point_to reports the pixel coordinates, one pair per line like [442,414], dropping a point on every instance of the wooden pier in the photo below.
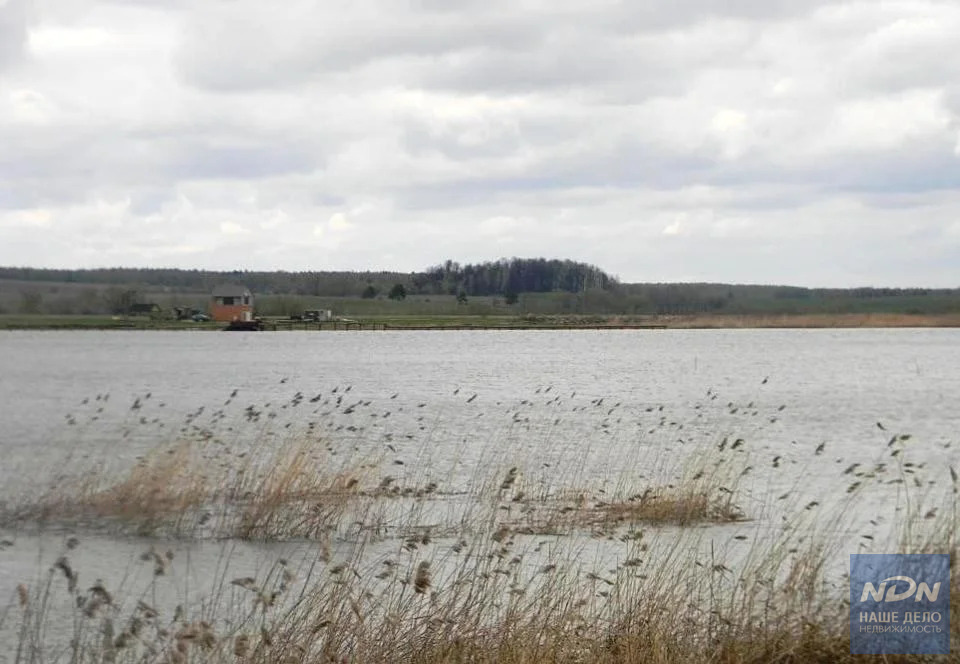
[278,325]
[333,325]
[525,327]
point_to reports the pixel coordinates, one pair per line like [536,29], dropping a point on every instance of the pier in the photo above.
[356,325]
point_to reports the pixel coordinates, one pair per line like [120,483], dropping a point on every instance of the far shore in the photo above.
[711,321]
[532,322]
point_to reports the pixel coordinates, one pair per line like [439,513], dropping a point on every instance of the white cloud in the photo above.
[749,140]
[505,229]
[888,123]
[232,228]
[339,223]
[675,227]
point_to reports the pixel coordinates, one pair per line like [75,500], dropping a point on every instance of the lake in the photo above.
[836,385]
[581,411]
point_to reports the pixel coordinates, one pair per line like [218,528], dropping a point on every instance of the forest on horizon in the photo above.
[518,285]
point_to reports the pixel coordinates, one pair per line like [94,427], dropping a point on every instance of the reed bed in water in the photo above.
[303,484]
[510,576]
[176,492]
[290,492]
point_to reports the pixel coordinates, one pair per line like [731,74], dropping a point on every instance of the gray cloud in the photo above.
[13,31]
[795,142]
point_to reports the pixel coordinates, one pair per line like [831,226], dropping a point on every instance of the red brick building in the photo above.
[231,302]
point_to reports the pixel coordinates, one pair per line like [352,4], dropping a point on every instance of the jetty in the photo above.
[276,325]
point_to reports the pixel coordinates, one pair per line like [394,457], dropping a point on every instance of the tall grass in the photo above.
[486,598]
[285,492]
[668,559]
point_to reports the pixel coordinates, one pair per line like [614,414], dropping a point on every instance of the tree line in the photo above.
[533,275]
[511,276]
[323,283]
[536,285]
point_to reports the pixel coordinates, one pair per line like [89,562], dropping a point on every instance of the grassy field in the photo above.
[96,322]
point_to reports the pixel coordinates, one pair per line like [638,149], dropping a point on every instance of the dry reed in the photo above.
[488,586]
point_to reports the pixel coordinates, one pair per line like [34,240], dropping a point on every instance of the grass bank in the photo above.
[94,322]
[528,321]
[839,320]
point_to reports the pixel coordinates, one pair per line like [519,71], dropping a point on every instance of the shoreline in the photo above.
[519,323]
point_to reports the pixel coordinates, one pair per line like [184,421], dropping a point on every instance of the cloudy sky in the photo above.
[766,141]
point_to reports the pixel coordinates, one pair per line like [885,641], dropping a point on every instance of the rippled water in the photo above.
[835,386]
[584,409]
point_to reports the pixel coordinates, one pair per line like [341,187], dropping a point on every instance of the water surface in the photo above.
[590,411]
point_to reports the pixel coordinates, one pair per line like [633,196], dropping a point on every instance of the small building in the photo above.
[230,302]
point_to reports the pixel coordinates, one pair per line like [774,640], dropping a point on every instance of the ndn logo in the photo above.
[908,612]
[921,590]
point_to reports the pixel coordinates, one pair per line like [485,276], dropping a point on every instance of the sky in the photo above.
[797,142]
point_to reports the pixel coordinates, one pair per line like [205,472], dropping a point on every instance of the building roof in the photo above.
[231,290]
